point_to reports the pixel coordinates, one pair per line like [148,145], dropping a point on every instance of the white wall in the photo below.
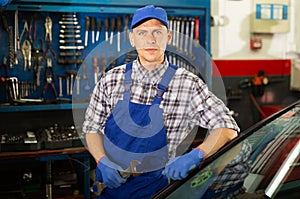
[232,41]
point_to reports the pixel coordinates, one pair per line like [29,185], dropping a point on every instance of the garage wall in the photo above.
[231,41]
[236,62]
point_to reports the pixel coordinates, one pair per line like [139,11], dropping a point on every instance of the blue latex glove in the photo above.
[109,173]
[178,167]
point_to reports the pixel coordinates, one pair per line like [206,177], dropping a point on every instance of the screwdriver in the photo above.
[119,25]
[112,29]
[126,18]
[95,65]
[93,25]
[87,27]
[106,28]
[98,30]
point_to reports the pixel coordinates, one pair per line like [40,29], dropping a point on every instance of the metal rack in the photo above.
[60,109]
[40,10]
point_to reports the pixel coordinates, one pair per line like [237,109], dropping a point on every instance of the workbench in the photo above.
[48,156]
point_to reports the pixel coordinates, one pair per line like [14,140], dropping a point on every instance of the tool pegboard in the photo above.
[50,53]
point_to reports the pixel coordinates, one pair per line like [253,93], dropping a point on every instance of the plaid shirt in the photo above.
[186,103]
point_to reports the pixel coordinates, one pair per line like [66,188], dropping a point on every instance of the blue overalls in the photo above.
[137,132]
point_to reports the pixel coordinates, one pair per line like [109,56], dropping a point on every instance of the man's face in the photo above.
[150,39]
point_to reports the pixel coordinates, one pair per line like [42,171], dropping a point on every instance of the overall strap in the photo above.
[127,81]
[163,84]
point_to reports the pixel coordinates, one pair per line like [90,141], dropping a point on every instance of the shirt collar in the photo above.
[140,74]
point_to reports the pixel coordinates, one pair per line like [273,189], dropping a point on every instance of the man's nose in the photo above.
[150,38]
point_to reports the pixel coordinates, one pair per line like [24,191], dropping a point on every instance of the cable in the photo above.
[257,106]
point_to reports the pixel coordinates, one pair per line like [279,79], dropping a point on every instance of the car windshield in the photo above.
[263,165]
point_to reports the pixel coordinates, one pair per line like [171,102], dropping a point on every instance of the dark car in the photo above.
[263,162]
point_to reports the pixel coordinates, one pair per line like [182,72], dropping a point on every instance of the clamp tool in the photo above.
[26,51]
[98,187]
[48,28]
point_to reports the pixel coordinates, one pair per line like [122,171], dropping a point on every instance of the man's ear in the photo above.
[169,37]
[131,39]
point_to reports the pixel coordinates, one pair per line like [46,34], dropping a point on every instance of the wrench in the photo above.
[98,187]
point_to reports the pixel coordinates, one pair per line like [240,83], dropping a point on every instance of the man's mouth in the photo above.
[151,50]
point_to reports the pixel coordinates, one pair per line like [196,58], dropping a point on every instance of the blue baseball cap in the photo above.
[149,12]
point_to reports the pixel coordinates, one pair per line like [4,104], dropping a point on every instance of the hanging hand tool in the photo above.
[70,41]
[71,74]
[119,26]
[71,47]
[49,78]
[67,85]
[106,26]
[11,47]
[170,21]
[68,22]
[196,35]
[69,31]
[10,33]
[70,61]
[178,20]
[99,24]
[16,36]
[183,20]
[174,31]
[38,75]
[25,28]
[87,27]
[69,36]
[104,65]
[49,49]
[73,27]
[48,29]
[93,27]
[77,84]
[187,33]
[191,37]
[126,19]
[71,18]
[85,77]
[98,187]
[112,30]
[96,69]
[32,25]
[26,51]
[14,87]
[60,78]
[37,57]
[69,15]
[65,54]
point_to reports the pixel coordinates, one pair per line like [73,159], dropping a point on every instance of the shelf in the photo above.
[42,107]
[107,6]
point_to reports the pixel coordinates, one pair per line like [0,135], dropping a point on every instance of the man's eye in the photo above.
[158,32]
[141,33]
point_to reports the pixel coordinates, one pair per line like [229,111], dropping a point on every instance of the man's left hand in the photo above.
[178,167]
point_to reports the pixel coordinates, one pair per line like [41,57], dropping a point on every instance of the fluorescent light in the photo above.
[276,181]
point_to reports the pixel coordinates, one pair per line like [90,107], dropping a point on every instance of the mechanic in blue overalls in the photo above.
[141,112]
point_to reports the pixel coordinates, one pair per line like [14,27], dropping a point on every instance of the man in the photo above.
[143,110]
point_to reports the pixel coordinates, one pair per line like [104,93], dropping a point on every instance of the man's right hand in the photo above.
[110,173]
